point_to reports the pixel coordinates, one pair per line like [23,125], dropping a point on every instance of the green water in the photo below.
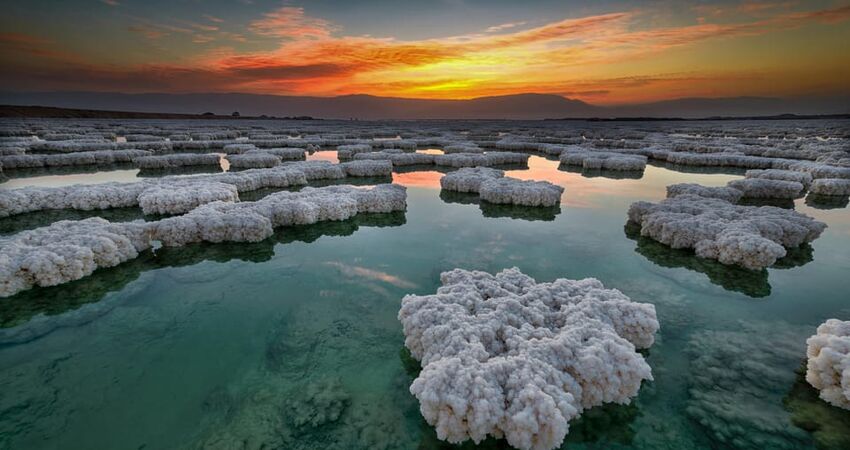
[294,343]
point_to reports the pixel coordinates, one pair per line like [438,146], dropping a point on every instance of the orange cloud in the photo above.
[291,22]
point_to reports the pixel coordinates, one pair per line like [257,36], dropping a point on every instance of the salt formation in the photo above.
[237,149]
[284,154]
[521,192]
[767,188]
[494,187]
[724,193]
[317,170]
[397,158]
[367,168]
[831,186]
[179,198]
[828,368]
[66,251]
[602,160]
[505,356]
[253,160]
[99,157]
[778,174]
[480,159]
[255,221]
[177,160]
[749,236]
[348,151]
[469,179]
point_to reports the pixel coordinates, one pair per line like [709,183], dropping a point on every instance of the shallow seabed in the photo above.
[294,343]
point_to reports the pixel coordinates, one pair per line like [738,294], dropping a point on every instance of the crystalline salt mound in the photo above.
[749,236]
[828,368]
[505,356]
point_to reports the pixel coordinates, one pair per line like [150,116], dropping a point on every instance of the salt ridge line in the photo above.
[121,195]
[508,357]
[70,250]
[749,236]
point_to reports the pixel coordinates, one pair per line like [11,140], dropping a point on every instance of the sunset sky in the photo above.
[602,52]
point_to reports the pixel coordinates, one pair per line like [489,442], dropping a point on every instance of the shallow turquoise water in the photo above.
[294,342]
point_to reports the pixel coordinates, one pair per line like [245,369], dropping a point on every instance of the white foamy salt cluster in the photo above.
[397,157]
[521,192]
[66,251]
[462,148]
[317,170]
[237,149]
[725,193]
[99,157]
[284,154]
[255,221]
[123,195]
[602,160]
[493,186]
[348,151]
[469,179]
[831,186]
[480,159]
[178,198]
[749,236]
[253,160]
[177,160]
[367,168]
[767,188]
[778,174]
[828,368]
[508,357]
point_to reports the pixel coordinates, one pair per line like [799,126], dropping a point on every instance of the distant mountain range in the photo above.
[368,107]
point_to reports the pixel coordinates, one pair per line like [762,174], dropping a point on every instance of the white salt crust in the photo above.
[511,358]
[831,186]
[177,160]
[828,367]
[749,236]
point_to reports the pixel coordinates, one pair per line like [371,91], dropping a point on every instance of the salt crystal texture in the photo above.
[508,357]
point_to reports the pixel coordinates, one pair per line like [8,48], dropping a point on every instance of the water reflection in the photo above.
[732,278]
[56,300]
[829,425]
[497,210]
[827,201]
[102,175]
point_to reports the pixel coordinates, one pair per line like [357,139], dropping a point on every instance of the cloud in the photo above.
[110,2]
[504,26]
[291,22]
[212,18]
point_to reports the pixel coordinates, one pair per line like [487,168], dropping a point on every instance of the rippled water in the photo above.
[294,343]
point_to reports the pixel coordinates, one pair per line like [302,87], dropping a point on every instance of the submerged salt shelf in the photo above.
[507,357]
[324,297]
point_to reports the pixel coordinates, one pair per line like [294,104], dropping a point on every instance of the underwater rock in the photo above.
[750,236]
[736,384]
[828,368]
[505,356]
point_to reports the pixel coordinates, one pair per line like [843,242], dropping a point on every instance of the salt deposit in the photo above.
[100,157]
[508,357]
[253,160]
[397,158]
[828,368]
[520,192]
[602,160]
[367,168]
[767,188]
[66,251]
[778,174]
[284,154]
[831,186]
[348,151]
[725,193]
[480,159]
[749,236]
[177,160]
[469,179]
[179,198]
